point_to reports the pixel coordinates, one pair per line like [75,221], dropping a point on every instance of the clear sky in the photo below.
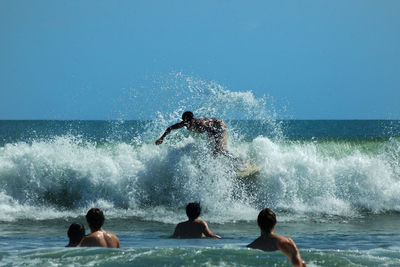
[69,59]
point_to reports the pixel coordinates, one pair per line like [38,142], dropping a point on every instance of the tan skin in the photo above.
[213,127]
[193,229]
[100,238]
[271,242]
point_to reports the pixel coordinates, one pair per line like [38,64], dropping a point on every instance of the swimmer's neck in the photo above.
[267,234]
[96,229]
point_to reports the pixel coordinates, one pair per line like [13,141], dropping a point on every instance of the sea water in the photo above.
[334,185]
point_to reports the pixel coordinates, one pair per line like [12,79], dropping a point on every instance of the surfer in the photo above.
[215,128]
[269,241]
[193,228]
[98,237]
[76,232]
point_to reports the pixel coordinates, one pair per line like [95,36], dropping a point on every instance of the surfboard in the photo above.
[249,172]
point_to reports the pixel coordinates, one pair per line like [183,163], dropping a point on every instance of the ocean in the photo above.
[334,185]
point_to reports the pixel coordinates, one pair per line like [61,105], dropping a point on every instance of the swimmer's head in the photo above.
[187,116]
[75,233]
[193,210]
[95,218]
[266,220]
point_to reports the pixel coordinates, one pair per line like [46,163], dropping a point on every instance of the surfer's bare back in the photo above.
[215,128]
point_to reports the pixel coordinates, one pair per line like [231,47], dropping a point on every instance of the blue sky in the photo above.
[76,59]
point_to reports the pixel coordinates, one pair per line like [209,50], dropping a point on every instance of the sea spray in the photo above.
[172,94]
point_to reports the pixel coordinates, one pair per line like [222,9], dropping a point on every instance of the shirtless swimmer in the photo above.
[215,128]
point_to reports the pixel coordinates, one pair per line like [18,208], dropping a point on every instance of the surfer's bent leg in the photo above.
[221,139]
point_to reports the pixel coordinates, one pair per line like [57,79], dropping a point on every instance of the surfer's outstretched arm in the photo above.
[169,129]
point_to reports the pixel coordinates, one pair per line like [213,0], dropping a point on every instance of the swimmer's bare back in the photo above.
[101,238]
[193,229]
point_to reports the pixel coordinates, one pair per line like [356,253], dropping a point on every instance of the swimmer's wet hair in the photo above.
[266,220]
[187,116]
[95,218]
[75,232]
[193,210]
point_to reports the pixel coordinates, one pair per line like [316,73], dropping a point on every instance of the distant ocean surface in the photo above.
[335,186]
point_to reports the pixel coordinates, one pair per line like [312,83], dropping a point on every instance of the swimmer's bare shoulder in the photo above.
[289,248]
[207,232]
[94,239]
[178,230]
[112,240]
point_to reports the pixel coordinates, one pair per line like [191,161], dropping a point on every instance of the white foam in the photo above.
[54,178]
[303,179]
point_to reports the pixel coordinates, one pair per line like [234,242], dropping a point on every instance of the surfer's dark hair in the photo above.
[75,232]
[95,218]
[187,116]
[193,210]
[266,220]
